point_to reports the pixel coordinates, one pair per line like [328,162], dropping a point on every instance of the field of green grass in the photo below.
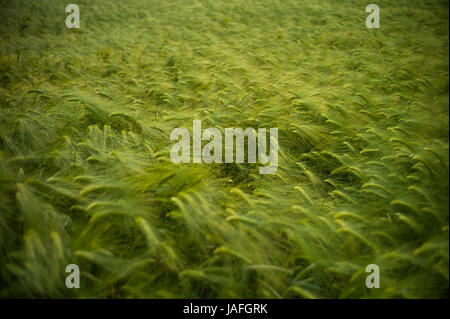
[85,170]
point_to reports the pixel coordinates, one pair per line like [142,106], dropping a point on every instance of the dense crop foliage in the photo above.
[86,177]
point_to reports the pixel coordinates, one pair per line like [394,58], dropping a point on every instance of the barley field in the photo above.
[363,162]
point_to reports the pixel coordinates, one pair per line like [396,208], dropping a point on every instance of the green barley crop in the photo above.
[86,177]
